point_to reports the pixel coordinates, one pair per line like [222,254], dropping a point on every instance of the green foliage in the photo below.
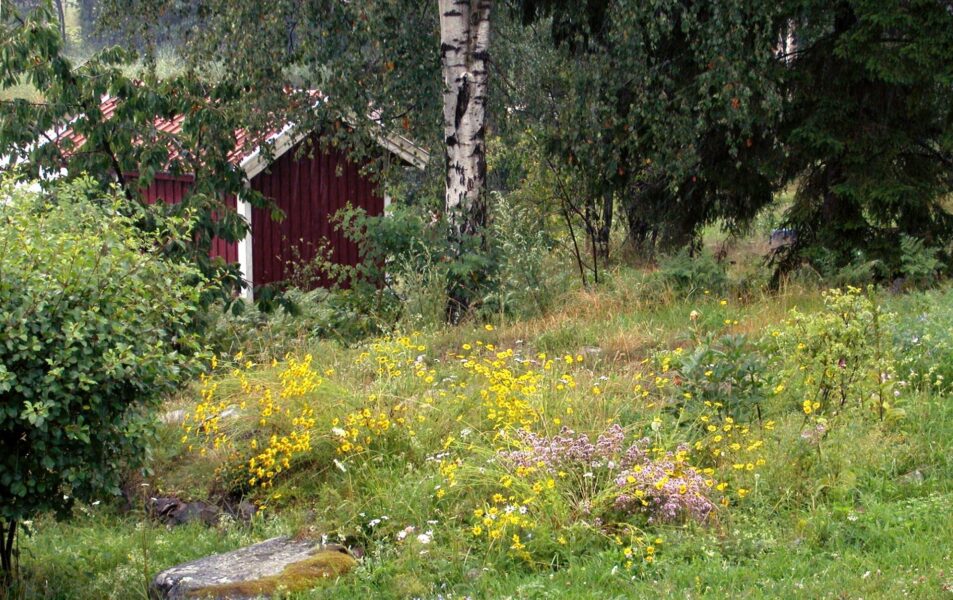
[667,105]
[840,357]
[97,328]
[918,262]
[923,338]
[126,148]
[868,127]
[258,333]
[877,494]
[370,297]
[525,277]
[692,275]
[825,266]
[727,370]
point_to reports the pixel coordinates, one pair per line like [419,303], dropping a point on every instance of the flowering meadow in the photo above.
[796,445]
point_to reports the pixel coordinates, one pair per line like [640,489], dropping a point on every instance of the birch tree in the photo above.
[464,53]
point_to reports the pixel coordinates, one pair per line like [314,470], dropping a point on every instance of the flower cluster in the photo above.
[735,450]
[507,522]
[278,454]
[568,450]
[640,478]
[665,487]
[203,423]
[360,428]
[512,386]
[507,392]
[284,417]
[392,357]
[636,547]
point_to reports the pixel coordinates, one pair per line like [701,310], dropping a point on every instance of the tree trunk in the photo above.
[604,233]
[464,52]
[8,536]
[61,13]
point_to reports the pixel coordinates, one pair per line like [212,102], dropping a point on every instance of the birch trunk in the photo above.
[464,51]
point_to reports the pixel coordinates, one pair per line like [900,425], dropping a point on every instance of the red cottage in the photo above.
[308,189]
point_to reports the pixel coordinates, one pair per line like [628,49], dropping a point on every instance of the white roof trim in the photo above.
[284,140]
[289,136]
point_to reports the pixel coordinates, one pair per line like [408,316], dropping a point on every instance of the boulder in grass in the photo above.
[279,564]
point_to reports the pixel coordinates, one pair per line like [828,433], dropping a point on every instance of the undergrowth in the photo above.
[703,446]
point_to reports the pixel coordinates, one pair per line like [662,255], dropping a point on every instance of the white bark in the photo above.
[464,47]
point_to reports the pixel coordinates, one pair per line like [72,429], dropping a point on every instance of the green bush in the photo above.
[526,272]
[95,328]
[692,275]
[918,262]
[839,356]
[727,370]
[397,259]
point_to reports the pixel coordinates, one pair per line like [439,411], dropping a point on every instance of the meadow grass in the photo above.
[867,513]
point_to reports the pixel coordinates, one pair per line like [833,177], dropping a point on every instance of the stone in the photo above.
[172,511]
[230,411]
[257,571]
[196,511]
[245,510]
[914,477]
[177,417]
[173,417]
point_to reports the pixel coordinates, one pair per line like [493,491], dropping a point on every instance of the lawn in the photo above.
[399,447]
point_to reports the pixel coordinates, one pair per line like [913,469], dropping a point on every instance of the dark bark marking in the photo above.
[463,101]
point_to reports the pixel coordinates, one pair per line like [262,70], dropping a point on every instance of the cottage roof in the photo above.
[249,152]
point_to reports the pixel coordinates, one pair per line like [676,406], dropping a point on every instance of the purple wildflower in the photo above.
[660,485]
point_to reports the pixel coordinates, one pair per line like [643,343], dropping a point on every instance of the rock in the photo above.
[173,417]
[176,417]
[196,511]
[162,508]
[914,477]
[255,571]
[781,238]
[230,411]
[172,511]
[245,510]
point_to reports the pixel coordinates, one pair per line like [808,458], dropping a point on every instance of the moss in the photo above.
[300,576]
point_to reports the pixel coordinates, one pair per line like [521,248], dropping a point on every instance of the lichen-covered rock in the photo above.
[278,564]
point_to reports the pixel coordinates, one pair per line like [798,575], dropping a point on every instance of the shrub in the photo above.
[718,390]
[283,419]
[392,280]
[724,369]
[839,356]
[263,335]
[639,479]
[918,262]
[96,327]
[525,277]
[693,274]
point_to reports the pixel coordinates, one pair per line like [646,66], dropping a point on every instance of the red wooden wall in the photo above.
[309,189]
[172,189]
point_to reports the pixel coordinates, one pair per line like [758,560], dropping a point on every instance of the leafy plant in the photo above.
[692,275]
[727,369]
[520,284]
[918,262]
[840,356]
[97,327]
